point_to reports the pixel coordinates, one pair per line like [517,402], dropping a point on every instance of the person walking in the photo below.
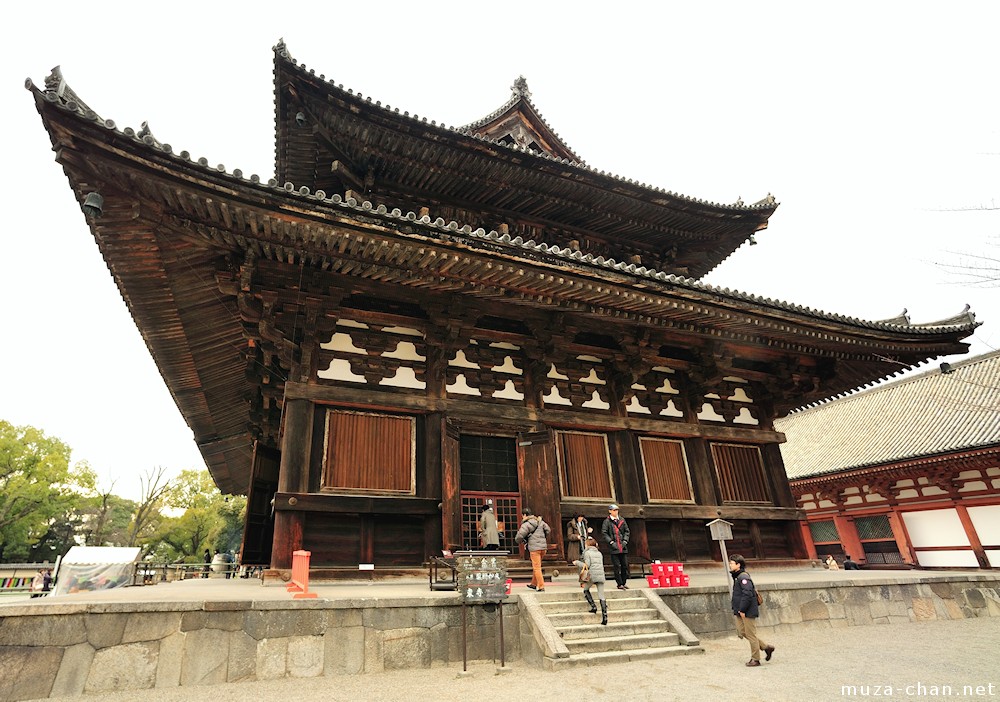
[37,583]
[577,533]
[593,560]
[208,563]
[534,533]
[746,610]
[616,534]
[489,534]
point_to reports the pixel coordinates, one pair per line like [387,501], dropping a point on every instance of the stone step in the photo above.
[592,630]
[582,615]
[575,605]
[638,654]
[621,643]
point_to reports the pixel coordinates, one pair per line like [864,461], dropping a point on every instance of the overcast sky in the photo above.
[875,125]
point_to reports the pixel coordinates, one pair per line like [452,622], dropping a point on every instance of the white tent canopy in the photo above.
[95,568]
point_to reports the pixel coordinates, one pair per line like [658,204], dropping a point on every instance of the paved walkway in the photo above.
[919,661]
[220,589]
[902,662]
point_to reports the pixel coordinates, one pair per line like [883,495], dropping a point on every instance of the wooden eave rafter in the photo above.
[441,162]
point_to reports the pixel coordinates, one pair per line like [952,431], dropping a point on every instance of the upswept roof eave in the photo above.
[763,207]
[641,276]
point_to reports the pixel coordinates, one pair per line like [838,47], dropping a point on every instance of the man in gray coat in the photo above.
[534,533]
[489,534]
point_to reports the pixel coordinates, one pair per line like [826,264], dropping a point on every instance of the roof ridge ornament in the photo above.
[55,84]
[520,88]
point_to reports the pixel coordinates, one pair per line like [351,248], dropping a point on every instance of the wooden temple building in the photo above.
[906,474]
[411,318]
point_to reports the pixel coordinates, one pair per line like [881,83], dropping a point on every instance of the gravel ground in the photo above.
[902,662]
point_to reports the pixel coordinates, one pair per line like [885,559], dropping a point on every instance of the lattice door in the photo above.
[506,507]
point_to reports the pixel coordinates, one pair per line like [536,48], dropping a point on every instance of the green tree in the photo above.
[194,495]
[38,488]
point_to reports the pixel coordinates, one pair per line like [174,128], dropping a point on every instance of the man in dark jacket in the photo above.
[615,533]
[746,611]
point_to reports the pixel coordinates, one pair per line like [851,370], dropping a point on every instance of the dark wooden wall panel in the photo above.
[741,473]
[584,465]
[370,452]
[666,471]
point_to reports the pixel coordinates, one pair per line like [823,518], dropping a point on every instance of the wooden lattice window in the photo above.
[824,532]
[741,473]
[664,464]
[370,453]
[584,465]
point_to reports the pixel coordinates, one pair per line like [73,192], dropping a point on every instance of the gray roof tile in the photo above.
[930,413]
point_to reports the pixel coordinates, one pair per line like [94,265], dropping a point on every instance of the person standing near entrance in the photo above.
[616,534]
[746,611]
[577,532]
[489,534]
[534,534]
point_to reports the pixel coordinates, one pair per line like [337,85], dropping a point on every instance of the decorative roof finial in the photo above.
[520,88]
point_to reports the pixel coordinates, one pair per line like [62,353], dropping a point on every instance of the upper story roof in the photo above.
[508,167]
[953,408]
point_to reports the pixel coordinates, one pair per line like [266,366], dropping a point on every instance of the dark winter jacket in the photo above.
[744,595]
[615,534]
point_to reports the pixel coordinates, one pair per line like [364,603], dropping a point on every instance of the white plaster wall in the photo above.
[986,520]
[947,559]
[937,527]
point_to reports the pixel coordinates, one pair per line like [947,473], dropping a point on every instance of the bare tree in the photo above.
[154,484]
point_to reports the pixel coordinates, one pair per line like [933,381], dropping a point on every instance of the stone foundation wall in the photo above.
[71,650]
[832,604]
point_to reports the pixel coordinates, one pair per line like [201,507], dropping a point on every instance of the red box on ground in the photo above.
[685,580]
[659,569]
[675,580]
[653,580]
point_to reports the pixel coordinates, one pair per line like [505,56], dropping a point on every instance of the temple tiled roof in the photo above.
[175,300]
[929,414]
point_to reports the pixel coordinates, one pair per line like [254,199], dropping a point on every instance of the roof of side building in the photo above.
[931,413]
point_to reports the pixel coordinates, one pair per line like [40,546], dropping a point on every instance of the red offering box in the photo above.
[659,569]
[685,580]
[653,580]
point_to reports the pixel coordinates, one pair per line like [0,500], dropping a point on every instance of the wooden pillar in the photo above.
[807,542]
[973,535]
[451,478]
[706,491]
[902,538]
[293,476]
[850,543]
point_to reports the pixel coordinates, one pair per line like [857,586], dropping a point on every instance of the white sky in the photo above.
[867,121]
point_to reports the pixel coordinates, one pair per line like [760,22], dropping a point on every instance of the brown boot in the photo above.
[753,663]
[768,650]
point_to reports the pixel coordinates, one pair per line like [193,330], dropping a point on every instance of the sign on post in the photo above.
[482,580]
[722,531]
[482,576]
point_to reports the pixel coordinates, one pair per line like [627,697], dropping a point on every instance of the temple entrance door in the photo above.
[489,471]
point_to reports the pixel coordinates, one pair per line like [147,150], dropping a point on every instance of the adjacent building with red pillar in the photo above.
[906,474]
